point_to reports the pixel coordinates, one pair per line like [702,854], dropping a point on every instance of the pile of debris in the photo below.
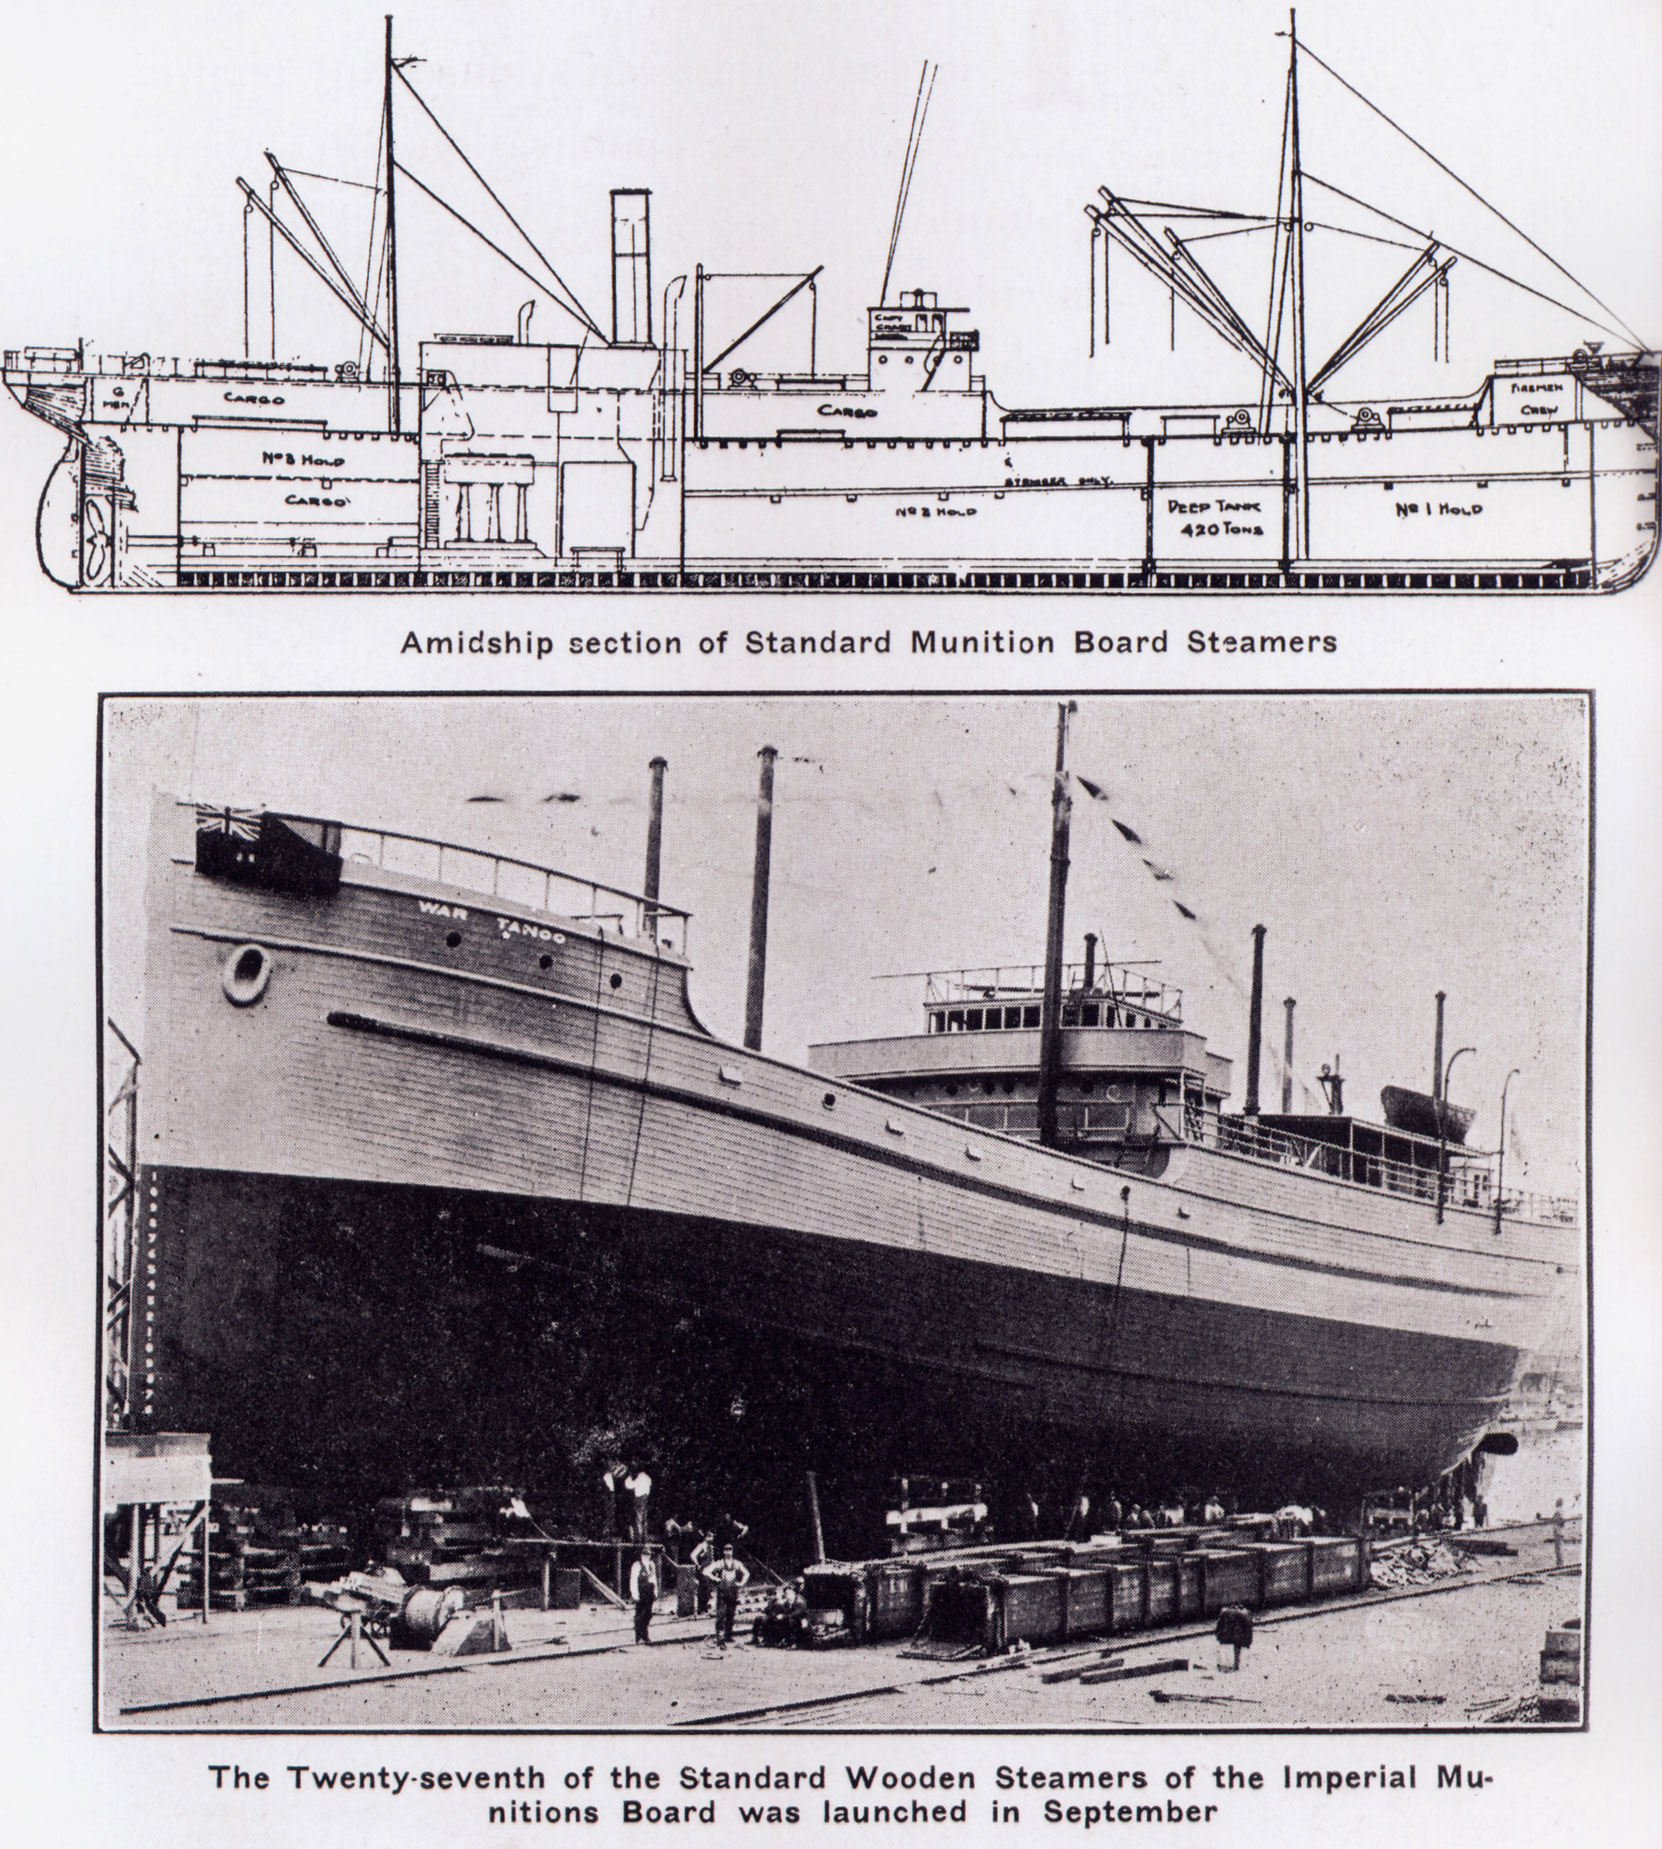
[1416,1563]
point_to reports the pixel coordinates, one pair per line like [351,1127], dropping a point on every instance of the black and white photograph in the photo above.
[892,1212]
[832,863]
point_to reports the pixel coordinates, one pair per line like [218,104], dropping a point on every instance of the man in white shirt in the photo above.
[641,1486]
[643,1589]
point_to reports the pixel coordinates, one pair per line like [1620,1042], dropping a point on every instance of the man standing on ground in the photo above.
[727,1575]
[703,1557]
[643,1589]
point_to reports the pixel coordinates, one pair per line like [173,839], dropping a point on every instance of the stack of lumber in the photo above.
[1560,1696]
[450,1537]
[258,1554]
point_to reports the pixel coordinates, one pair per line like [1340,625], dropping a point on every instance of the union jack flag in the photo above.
[243,823]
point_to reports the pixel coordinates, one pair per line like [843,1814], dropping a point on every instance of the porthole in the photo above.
[453,938]
[545,962]
[830,1101]
[617,982]
[246,975]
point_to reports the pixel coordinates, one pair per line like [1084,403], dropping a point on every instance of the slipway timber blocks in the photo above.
[473,1633]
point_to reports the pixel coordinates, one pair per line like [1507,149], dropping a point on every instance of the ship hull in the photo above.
[348,1334]
[362,1103]
[627,480]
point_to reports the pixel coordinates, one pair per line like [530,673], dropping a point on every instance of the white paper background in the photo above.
[772,137]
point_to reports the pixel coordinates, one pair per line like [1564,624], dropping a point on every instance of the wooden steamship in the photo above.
[373,1060]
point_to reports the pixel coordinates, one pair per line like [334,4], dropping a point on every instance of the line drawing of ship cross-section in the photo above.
[652,448]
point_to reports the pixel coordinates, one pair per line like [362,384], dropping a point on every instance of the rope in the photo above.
[646,1079]
[576,307]
[1486,204]
[594,1060]
[1552,300]
[914,140]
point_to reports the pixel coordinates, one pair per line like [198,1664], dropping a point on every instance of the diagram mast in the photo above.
[1301,387]
[393,379]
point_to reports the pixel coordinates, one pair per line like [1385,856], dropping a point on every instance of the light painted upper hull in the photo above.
[620,475]
[1229,1298]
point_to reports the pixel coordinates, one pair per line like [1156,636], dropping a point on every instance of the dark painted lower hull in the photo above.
[360,1338]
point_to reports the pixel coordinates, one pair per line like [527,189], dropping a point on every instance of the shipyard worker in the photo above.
[679,1534]
[727,1575]
[785,1622]
[1113,1512]
[1213,1512]
[640,1488]
[1234,1632]
[730,1531]
[1480,1511]
[643,1589]
[618,1502]
[700,1558]
[147,1599]
[1079,1520]
[1029,1516]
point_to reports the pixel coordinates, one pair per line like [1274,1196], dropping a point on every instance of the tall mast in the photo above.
[1050,1020]
[1301,390]
[393,379]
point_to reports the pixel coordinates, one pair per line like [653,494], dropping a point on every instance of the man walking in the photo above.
[727,1574]
[643,1589]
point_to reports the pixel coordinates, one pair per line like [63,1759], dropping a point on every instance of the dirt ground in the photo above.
[1464,1649]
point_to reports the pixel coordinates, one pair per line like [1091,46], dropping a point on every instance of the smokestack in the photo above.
[1255,1024]
[654,844]
[1090,959]
[631,267]
[1437,1050]
[759,903]
[1287,1061]
[1050,1021]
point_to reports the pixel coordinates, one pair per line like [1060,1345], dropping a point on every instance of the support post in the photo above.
[1437,1050]
[759,903]
[813,1506]
[1255,1023]
[1500,1164]
[654,846]
[1287,1061]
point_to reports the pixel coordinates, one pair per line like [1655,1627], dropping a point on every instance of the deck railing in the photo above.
[1117,984]
[516,882]
[519,882]
[1467,1180]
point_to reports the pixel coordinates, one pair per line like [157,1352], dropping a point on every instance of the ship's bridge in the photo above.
[1131,1072]
[912,347]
